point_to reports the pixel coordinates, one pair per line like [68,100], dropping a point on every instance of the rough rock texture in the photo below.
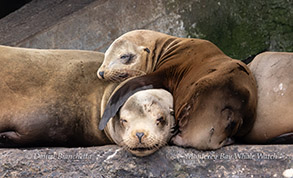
[239,27]
[93,27]
[36,17]
[171,161]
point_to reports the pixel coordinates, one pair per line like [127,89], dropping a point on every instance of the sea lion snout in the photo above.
[139,135]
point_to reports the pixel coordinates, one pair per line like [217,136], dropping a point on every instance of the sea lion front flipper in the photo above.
[123,93]
[9,139]
[286,138]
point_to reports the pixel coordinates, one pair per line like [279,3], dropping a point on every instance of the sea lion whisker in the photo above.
[114,79]
[124,145]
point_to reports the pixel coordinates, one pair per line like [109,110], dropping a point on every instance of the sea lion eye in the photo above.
[147,50]
[160,120]
[123,121]
[172,112]
[127,58]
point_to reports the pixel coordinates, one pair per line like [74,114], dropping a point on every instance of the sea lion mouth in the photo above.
[123,75]
[142,149]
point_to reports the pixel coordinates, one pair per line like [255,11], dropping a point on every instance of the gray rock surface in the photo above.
[36,17]
[239,27]
[92,27]
[170,161]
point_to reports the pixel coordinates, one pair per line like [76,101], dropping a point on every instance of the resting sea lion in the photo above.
[53,97]
[215,96]
[145,122]
[274,75]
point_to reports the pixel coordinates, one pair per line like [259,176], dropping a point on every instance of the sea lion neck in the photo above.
[161,47]
[166,59]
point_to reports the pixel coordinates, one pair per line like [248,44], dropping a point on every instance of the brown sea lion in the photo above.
[54,98]
[274,76]
[215,96]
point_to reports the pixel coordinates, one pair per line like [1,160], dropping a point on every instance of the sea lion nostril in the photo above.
[139,135]
[102,74]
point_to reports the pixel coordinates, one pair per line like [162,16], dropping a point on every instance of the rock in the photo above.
[92,27]
[170,161]
[239,27]
[36,17]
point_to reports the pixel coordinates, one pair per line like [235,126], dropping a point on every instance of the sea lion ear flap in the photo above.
[122,94]
[147,50]
[172,111]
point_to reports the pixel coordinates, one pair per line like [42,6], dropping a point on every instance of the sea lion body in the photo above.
[215,96]
[274,75]
[54,98]
[50,97]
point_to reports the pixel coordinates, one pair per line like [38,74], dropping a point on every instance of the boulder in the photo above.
[170,161]
[239,27]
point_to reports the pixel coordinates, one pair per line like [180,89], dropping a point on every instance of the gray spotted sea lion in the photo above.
[274,75]
[53,97]
[144,122]
[215,96]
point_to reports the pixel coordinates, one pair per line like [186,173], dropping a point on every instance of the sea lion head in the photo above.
[129,55]
[144,123]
